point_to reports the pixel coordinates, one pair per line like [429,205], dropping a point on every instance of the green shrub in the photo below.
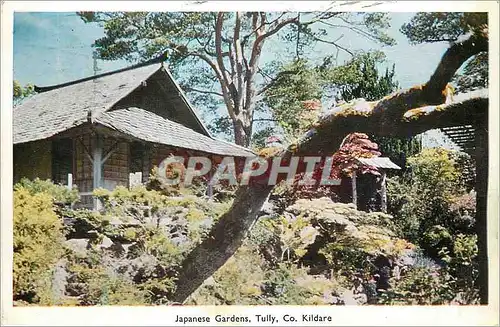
[94,285]
[422,197]
[60,194]
[238,281]
[246,279]
[420,286]
[434,207]
[38,238]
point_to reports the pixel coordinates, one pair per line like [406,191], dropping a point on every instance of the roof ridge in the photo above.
[41,89]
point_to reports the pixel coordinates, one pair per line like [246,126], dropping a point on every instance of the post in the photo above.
[97,146]
[383,192]
[134,179]
[354,191]
[70,181]
[210,187]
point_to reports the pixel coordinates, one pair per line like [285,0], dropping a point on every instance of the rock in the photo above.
[396,272]
[78,245]
[267,208]
[117,249]
[348,298]
[125,221]
[361,298]
[59,280]
[180,240]
[105,243]
[126,247]
[210,282]
[335,218]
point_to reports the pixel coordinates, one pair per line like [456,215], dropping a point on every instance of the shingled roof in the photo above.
[61,107]
[147,126]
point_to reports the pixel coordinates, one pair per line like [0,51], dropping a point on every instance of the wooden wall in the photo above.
[116,168]
[33,159]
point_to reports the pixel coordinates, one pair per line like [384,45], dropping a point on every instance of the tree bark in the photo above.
[242,132]
[403,114]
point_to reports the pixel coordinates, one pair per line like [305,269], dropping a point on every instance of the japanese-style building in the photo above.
[102,130]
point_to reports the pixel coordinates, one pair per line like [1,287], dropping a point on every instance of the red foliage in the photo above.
[355,145]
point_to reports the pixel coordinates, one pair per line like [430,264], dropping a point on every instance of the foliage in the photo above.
[259,137]
[467,168]
[184,219]
[360,77]
[20,92]
[308,251]
[295,96]
[332,239]
[237,282]
[343,163]
[420,286]
[60,194]
[295,235]
[89,280]
[38,237]
[442,26]
[397,149]
[453,283]
[156,183]
[247,279]
[474,75]
[420,199]
[355,145]
[288,97]
[433,209]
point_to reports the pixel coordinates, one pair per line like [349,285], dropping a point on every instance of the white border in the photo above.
[127,316]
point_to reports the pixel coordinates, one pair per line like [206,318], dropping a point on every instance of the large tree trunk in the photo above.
[397,115]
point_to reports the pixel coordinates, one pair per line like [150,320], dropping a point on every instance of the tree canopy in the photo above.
[223,51]
[428,27]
